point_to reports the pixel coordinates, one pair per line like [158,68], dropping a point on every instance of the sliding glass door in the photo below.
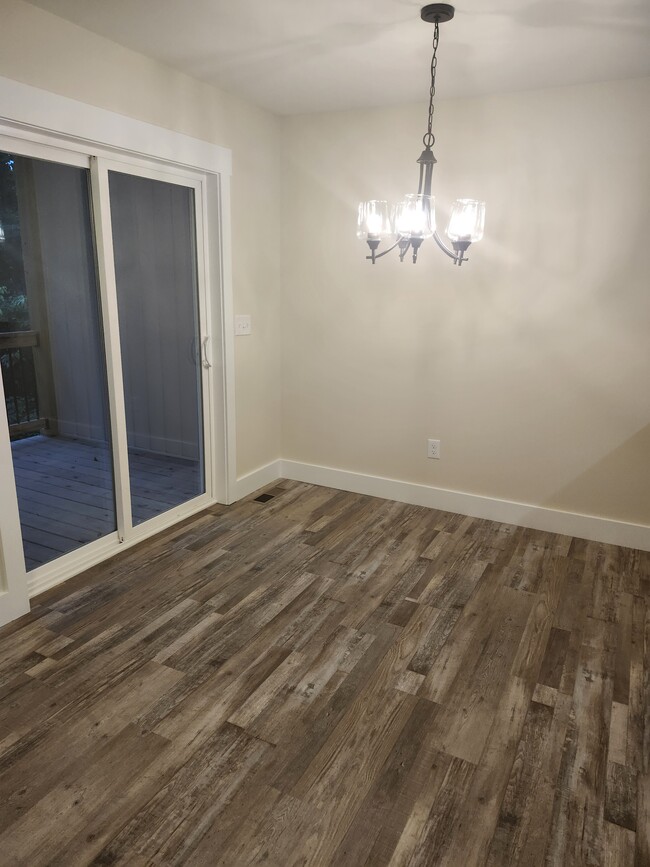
[154,247]
[103,348]
[52,358]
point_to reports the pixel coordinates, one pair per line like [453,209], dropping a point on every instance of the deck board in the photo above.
[65,492]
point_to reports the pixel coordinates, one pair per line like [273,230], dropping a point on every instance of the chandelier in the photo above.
[413,220]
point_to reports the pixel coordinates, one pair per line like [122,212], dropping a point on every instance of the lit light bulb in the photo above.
[415,217]
[373,224]
[374,221]
[467,220]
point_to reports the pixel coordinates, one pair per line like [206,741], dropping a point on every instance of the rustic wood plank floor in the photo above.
[65,492]
[331,679]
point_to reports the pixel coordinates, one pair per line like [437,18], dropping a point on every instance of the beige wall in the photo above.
[45,51]
[532,362]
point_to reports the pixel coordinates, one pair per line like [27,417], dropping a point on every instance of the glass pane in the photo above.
[157,294]
[51,354]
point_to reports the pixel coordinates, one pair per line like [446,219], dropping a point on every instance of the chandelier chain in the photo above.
[429,139]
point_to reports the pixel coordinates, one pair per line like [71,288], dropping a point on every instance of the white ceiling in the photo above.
[294,56]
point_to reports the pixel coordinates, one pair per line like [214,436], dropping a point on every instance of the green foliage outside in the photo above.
[17,364]
[14,315]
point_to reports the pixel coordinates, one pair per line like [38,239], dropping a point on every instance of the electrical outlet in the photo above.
[433,449]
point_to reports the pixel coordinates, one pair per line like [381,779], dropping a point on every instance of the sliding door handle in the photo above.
[206,361]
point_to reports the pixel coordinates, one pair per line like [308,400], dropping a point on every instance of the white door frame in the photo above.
[14,597]
[37,123]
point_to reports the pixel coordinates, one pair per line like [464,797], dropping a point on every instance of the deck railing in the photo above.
[19,381]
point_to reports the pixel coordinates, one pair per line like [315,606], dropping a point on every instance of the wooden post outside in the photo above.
[36,294]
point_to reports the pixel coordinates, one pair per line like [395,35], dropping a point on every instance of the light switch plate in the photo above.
[243,325]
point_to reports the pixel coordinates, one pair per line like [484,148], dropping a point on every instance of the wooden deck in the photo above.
[65,492]
[330,679]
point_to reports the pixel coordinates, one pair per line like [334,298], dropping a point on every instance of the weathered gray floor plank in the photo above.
[329,679]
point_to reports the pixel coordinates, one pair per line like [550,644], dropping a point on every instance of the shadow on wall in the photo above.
[609,480]
[353,33]
[559,13]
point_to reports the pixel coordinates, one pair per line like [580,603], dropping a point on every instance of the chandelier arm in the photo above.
[421,181]
[452,255]
[375,255]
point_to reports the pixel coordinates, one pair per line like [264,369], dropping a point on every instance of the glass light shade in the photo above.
[374,221]
[467,220]
[415,217]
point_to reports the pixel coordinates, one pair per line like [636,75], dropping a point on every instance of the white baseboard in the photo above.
[507,512]
[536,517]
[258,478]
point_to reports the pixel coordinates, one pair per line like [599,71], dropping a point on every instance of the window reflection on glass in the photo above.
[52,358]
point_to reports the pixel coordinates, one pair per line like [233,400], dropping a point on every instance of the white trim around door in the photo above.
[14,599]
[75,123]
